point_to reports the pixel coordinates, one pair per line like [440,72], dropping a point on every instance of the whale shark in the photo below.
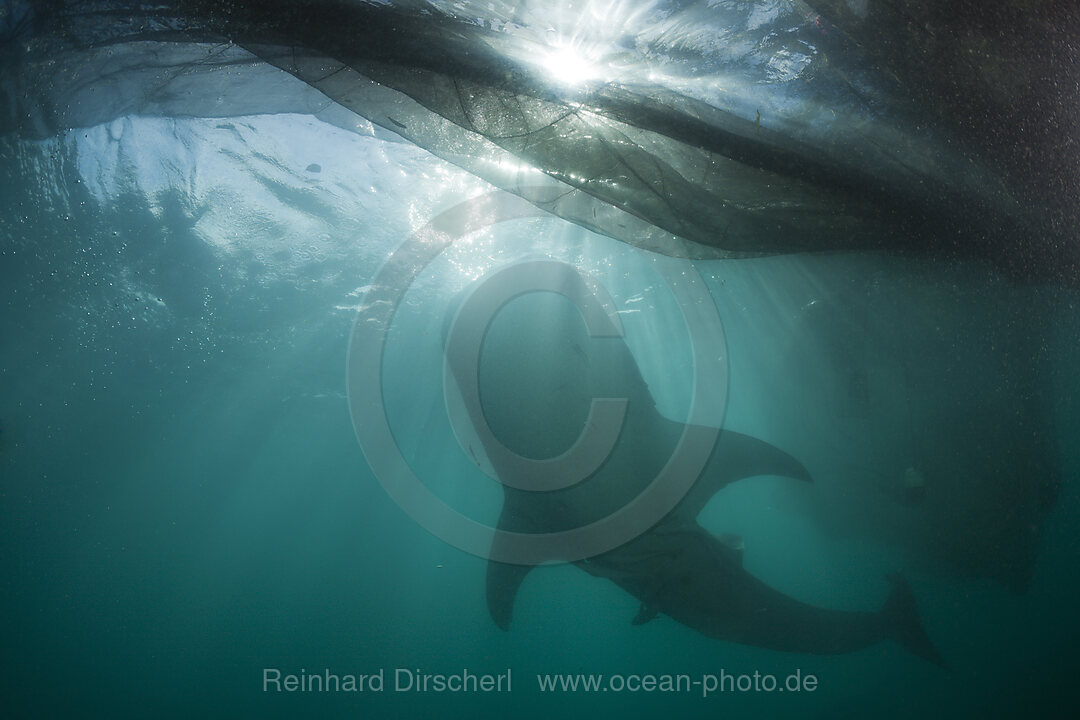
[681,570]
[538,375]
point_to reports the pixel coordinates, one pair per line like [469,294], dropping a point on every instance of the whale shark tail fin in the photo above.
[905,627]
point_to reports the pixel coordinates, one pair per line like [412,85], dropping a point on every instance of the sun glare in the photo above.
[569,66]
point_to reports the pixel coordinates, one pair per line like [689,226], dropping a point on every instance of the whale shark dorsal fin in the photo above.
[736,456]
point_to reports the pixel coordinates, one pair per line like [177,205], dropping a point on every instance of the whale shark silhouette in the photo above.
[681,570]
[538,373]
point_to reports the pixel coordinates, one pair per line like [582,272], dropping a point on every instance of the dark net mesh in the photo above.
[821,127]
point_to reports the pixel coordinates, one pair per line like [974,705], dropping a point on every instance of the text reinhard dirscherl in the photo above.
[408,680]
[400,680]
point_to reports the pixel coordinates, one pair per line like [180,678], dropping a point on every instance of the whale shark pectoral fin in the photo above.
[503,581]
[736,456]
[646,612]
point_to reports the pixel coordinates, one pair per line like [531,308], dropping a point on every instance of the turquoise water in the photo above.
[185,503]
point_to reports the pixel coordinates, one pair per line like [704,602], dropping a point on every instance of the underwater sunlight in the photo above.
[533,360]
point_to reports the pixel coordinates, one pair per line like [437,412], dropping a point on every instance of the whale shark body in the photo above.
[681,570]
[538,373]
